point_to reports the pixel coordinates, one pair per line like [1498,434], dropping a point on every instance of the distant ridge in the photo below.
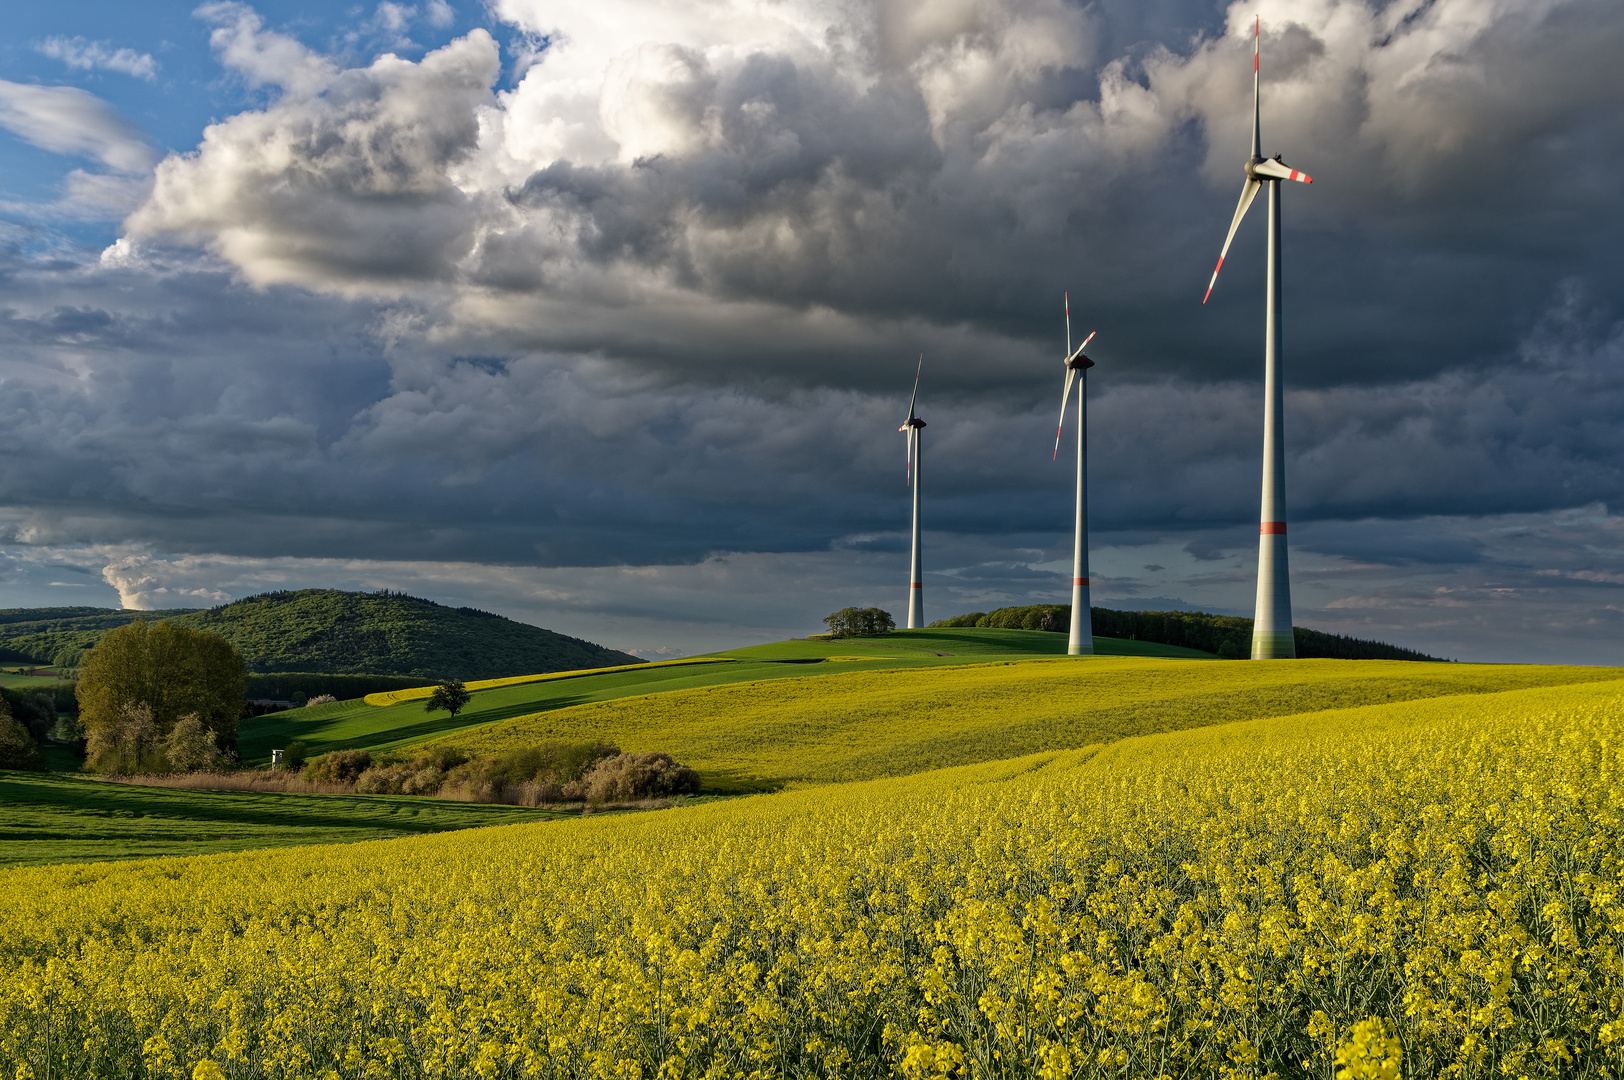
[60,635]
[329,630]
[1227,636]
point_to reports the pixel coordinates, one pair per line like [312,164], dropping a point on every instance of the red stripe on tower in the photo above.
[1272,528]
[1079,581]
[917,585]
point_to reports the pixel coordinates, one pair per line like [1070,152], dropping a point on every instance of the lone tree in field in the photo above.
[450,695]
[167,672]
[860,622]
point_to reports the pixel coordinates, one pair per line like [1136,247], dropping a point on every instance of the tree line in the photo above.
[1227,636]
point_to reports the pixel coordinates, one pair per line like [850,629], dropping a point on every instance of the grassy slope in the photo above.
[870,724]
[354,724]
[50,818]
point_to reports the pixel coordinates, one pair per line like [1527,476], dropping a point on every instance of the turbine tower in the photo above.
[1272,637]
[913,426]
[1082,621]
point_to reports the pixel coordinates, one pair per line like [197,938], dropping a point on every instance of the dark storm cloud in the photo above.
[661,298]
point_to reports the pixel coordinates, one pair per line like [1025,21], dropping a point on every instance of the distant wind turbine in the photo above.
[1272,637]
[1077,365]
[914,428]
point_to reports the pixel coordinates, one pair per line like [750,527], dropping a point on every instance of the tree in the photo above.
[32,709]
[450,695]
[17,749]
[128,744]
[859,622]
[171,671]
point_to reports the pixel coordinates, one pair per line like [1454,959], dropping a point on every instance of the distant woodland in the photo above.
[1226,636]
[329,631]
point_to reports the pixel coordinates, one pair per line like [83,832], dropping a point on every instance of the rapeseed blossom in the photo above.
[1429,888]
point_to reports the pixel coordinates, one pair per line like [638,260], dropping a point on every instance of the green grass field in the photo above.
[357,725]
[13,681]
[50,818]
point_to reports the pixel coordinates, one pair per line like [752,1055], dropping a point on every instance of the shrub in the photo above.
[293,757]
[638,776]
[338,767]
[383,780]
[423,774]
[550,772]
[190,746]
[321,699]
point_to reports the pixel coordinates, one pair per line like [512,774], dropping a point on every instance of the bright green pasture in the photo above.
[875,723]
[13,681]
[52,818]
[357,725]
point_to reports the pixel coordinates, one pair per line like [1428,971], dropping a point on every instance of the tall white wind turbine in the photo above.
[1271,628]
[1077,365]
[914,428]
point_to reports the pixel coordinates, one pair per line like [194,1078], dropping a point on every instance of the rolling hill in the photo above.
[327,630]
[380,723]
[816,711]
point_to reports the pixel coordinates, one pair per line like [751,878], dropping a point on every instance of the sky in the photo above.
[604,316]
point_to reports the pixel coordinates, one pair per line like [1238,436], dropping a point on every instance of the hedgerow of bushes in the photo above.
[554,772]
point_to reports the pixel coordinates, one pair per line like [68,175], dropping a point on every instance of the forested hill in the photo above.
[60,635]
[1227,636]
[383,633]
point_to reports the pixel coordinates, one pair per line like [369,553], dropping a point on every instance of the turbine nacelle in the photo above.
[1259,169]
[1262,168]
[1075,363]
[912,425]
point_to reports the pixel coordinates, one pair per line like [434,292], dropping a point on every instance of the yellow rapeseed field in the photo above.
[863,725]
[1421,888]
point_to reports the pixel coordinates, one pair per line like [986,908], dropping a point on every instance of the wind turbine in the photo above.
[914,426]
[1272,637]
[1082,622]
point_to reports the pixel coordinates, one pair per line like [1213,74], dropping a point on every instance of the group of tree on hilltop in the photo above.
[1228,636]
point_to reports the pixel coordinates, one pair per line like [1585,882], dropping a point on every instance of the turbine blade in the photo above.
[908,475]
[1257,135]
[1065,395]
[1072,356]
[1248,193]
[1279,170]
[915,398]
[1067,295]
